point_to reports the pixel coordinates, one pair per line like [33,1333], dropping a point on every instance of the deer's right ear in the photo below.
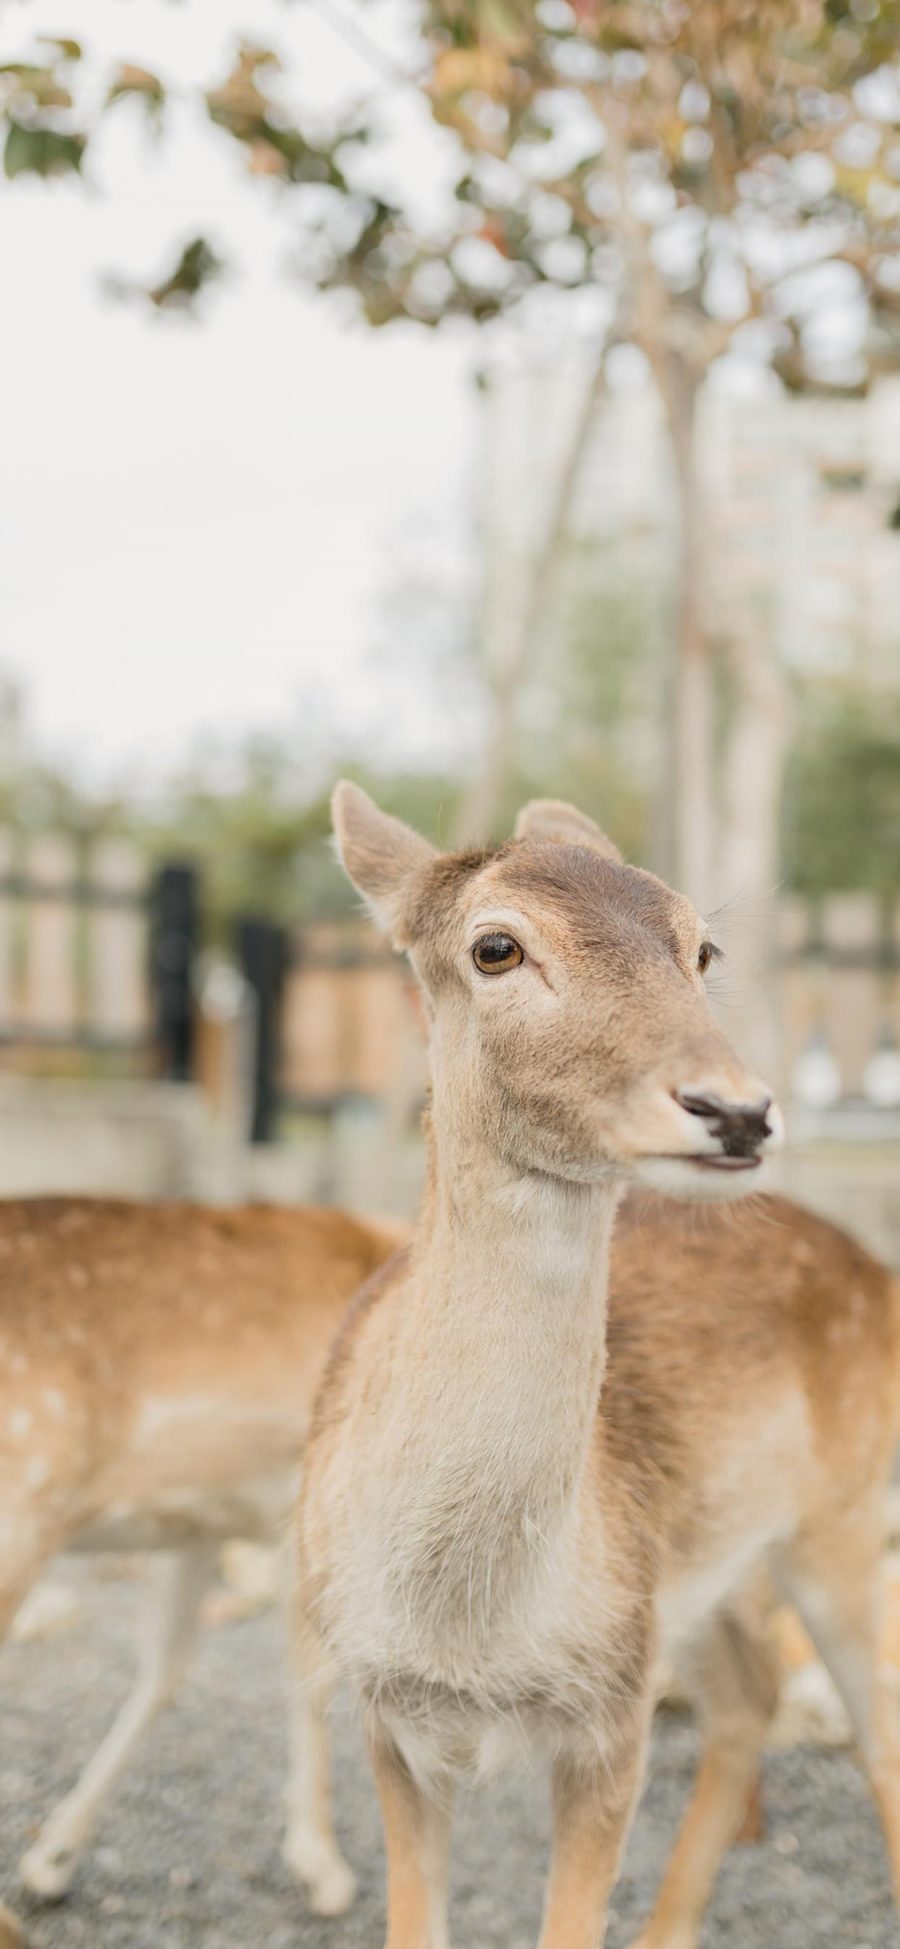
[557,820]
[380,854]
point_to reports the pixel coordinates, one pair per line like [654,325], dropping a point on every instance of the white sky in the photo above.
[199,521]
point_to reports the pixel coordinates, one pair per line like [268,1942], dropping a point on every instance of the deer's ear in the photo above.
[554,819]
[380,854]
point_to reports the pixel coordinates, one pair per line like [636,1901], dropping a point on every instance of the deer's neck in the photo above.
[502,1368]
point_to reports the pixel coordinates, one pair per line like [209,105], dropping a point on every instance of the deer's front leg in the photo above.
[593,1806]
[417,1839]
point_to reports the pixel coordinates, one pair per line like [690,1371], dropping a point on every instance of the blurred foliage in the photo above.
[650,149]
[37,107]
[140,84]
[262,841]
[263,845]
[197,266]
[589,721]
[587,731]
[842,794]
[245,816]
[245,108]
[255,835]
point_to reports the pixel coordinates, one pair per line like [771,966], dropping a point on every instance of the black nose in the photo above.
[741,1127]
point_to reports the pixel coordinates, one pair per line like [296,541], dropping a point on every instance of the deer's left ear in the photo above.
[380,854]
[556,820]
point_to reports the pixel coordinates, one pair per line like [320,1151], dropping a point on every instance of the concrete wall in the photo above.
[137,1140]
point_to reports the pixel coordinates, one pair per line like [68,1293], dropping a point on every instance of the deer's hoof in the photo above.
[677,1941]
[329,1883]
[47,1871]
[334,1892]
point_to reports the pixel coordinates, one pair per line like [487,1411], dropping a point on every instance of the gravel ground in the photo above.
[188,1856]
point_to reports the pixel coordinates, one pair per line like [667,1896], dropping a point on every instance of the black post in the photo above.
[263,952]
[174,938]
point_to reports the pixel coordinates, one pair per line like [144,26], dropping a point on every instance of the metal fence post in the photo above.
[174,940]
[263,953]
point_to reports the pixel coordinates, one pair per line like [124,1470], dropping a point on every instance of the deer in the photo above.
[523,1482]
[51,1248]
[227,1327]
[157,1370]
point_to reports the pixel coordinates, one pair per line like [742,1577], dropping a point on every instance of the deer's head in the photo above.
[565,993]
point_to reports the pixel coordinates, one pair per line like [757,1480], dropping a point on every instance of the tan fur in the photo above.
[198,1280]
[151,1356]
[514,1492]
[157,1370]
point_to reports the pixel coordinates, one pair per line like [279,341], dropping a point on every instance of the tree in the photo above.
[687,160]
[693,171]
[842,796]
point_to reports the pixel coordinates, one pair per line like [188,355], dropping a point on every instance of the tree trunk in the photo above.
[512,627]
[748,865]
[690,780]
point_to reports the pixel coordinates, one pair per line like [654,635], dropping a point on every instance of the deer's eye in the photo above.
[707,954]
[496,954]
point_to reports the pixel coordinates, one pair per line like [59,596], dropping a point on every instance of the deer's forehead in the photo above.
[575,894]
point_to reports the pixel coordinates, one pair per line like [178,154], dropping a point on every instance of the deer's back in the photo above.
[164,1354]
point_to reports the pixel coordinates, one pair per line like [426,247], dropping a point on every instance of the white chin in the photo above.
[698,1180]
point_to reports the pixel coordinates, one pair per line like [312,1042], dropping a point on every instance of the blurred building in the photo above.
[803,501]
[11,733]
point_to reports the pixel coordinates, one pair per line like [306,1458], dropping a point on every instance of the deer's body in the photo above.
[161,1360]
[749,1364]
[514,1493]
[157,1370]
[207,1332]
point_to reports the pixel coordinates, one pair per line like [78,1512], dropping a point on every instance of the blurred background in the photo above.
[484,400]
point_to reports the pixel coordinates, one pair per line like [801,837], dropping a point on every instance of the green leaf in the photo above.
[41,152]
[68,50]
[197,266]
[134,81]
[40,83]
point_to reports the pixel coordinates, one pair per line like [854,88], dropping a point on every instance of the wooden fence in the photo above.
[99,957]
[95,954]
[347,1008]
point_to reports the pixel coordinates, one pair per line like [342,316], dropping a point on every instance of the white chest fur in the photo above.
[457,1605]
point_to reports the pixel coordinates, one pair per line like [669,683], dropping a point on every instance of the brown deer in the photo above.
[228,1320]
[157,1370]
[187,1252]
[513,1496]
[52,1248]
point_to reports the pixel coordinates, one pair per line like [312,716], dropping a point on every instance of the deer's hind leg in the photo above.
[48,1867]
[31,1531]
[734,1677]
[835,1579]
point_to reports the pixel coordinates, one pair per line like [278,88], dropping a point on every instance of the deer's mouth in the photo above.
[700,1176]
[722,1163]
[706,1161]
